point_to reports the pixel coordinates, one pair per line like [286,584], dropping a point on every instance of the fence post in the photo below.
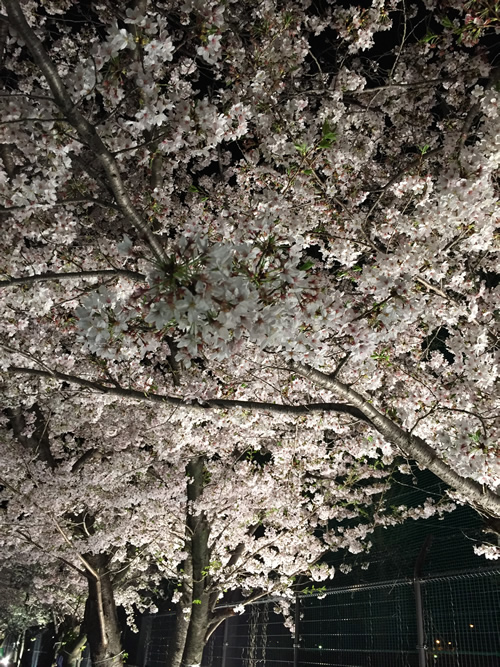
[144,640]
[421,647]
[225,643]
[36,650]
[296,641]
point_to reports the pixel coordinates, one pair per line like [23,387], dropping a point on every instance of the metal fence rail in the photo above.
[372,625]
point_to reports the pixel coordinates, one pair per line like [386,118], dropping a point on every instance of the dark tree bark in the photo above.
[71,641]
[191,628]
[101,619]
[182,619]
[71,652]
[197,630]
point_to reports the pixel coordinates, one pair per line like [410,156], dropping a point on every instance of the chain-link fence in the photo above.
[377,625]
[365,625]
[372,625]
[420,596]
[462,619]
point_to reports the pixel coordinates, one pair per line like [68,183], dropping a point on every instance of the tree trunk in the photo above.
[71,652]
[199,530]
[182,619]
[197,630]
[101,619]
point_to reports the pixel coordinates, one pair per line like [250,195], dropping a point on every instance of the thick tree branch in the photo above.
[86,131]
[95,574]
[411,445]
[8,161]
[70,275]
[6,149]
[224,613]
[29,540]
[64,202]
[198,549]
[211,404]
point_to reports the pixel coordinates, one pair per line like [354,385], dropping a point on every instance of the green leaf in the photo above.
[326,142]
[429,38]
[196,601]
[329,136]
[301,148]
[328,132]
[306,266]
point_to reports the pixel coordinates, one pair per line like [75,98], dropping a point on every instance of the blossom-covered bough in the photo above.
[245,269]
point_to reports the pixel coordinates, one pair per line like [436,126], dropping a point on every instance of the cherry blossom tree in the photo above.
[33,598]
[224,529]
[89,550]
[224,231]
[19,609]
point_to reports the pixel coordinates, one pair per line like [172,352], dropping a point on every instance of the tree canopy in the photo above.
[249,268]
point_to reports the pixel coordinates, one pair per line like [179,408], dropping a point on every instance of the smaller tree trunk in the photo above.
[199,530]
[182,619]
[71,651]
[101,619]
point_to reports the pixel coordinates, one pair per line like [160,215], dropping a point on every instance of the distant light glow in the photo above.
[5,661]
[471,625]
[438,641]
